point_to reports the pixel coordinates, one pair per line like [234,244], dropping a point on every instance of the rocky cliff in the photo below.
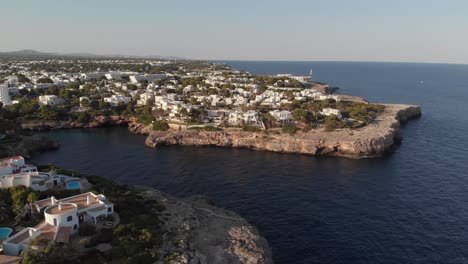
[98,121]
[26,145]
[207,234]
[369,141]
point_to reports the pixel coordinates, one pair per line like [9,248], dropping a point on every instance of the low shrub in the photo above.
[86,229]
[251,129]
[160,125]
[289,129]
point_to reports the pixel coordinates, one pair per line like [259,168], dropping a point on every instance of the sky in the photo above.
[312,30]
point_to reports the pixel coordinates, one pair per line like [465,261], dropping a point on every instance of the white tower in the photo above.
[5,95]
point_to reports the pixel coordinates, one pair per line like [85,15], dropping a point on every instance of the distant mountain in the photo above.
[28,53]
[25,52]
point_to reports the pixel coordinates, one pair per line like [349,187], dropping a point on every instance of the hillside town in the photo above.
[176,94]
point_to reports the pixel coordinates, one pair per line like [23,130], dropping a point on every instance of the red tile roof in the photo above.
[63,234]
[4,259]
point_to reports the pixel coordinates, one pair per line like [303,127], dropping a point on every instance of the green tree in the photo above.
[22,78]
[53,90]
[32,198]
[160,125]
[301,115]
[332,123]
[45,80]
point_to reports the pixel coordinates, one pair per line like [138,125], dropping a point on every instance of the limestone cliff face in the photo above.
[370,141]
[207,234]
[99,121]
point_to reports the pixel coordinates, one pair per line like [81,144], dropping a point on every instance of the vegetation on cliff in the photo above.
[151,228]
[135,240]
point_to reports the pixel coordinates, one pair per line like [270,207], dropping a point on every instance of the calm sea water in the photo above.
[409,207]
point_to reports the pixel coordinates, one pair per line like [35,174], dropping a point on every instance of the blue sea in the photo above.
[408,207]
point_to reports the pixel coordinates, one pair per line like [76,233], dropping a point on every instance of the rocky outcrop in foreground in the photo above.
[27,145]
[198,232]
[370,141]
[98,121]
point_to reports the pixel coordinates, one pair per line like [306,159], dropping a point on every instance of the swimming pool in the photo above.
[73,185]
[5,232]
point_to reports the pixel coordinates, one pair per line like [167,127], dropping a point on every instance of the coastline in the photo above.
[205,233]
[181,230]
[373,140]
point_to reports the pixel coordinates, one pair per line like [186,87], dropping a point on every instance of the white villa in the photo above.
[331,111]
[116,99]
[251,118]
[33,180]
[14,165]
[62,219]
[51,100]
[283,116]
[145,97]
[41,181]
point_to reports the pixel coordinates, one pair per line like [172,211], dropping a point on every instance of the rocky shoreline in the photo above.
[373,140]
[198,232]
[99,121]
[26,145]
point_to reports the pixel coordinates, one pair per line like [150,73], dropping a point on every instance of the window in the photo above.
[75,227]
[70,218]
[109,209]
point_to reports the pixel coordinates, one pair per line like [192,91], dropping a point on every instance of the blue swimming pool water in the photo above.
[5,232]
[73,185]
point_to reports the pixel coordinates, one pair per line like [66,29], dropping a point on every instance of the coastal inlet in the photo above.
[372,140]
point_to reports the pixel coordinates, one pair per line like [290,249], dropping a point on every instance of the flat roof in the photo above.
[15,158]
[20,238]
[65,208]
[80,200]
[63,234]
[5,259]
[48,231]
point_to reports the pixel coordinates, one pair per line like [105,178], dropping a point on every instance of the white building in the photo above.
[116,99]
[250,118]
[51,100]
[90,76]
[145,97]
[15,164]
[34,180]
[216,116]
[284,117]
[62,219]
[302,79]
[331,111]
[148,77]
[41,181]
[83,99]
[113,76]
[5,95]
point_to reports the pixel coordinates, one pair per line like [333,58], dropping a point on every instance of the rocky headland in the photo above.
[371,140]
[198,232]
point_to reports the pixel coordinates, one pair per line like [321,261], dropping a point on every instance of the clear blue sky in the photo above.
[357,30]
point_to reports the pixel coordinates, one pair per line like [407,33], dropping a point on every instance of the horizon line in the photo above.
[148,56]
